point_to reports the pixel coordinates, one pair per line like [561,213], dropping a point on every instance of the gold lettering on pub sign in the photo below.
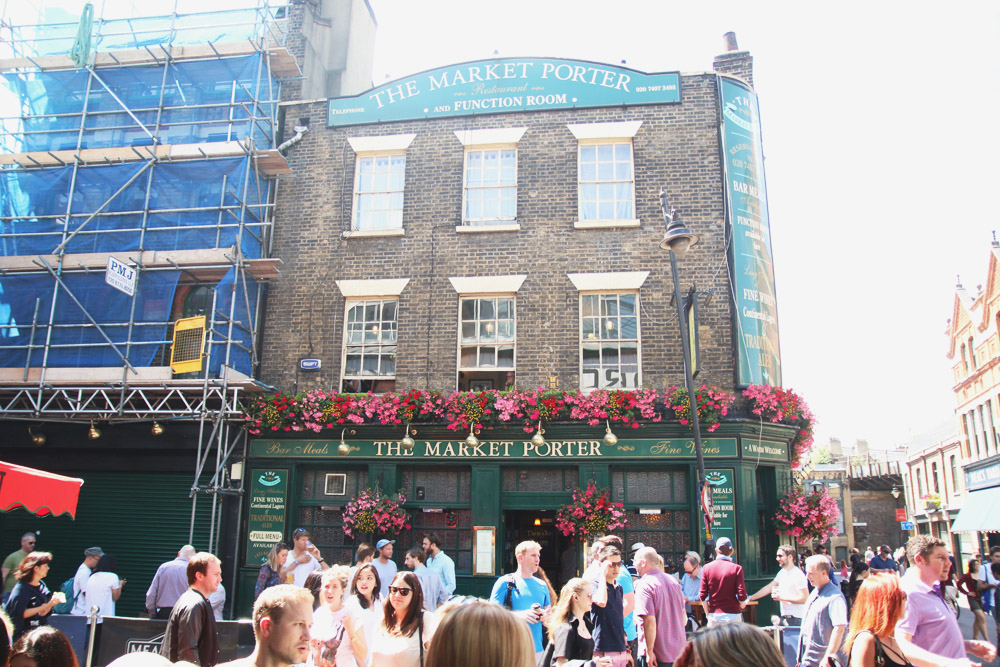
[494,449]
[686,448]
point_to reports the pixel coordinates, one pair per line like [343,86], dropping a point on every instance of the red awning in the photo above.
[39,492]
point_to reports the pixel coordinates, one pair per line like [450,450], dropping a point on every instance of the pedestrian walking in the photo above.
[440,562]
[338,638]
[273,571]
[969,585]
[879,606]
[30,603]
[659,608]
[607,610]
[722,586]
[12,561]
[191,634]
[570,627]
[430,583]
[384,564]
[824,622]
[523,593]
[402,638]
[83,572]
[169,583]
[790,589]
[365,602]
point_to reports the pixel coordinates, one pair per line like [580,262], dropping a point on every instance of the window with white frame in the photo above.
[607,183]
[606,174]
[487,335]
[378,192]
[490,186]
[370,332]
[609,341]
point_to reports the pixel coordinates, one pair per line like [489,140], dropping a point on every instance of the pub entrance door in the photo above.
[559,555]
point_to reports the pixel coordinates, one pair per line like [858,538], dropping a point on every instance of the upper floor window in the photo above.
[487,338]
[934,477]
[965,359]
[609,343]
[972,354]
[606,174]
[379,180]
[954,473]
[920,483]
[489,192]
[370,346]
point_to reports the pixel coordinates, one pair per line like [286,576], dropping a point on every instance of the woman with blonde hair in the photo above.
[730,645]
[481,634]
[879,606]
[273,571]
[570,627]
[338,638]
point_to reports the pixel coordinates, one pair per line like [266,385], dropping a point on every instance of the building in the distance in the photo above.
[498,223]
[974,347]
[935,485]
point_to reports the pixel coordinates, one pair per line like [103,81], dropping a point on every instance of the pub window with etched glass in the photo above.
[486,342]
[378,192]
[490,186]
[609,342]
[606,181]
[370,346]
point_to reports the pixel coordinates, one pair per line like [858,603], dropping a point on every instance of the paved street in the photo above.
[965,621]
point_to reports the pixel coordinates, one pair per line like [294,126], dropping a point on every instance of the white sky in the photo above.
[879,131]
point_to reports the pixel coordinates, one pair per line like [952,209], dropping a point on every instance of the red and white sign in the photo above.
[900,514]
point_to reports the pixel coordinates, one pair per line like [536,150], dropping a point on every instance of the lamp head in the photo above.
[895,492]
[539,438]
[37,439]
[407,442]
[472,440]
[610,439]
[93,432]
[157,429]
[678,237]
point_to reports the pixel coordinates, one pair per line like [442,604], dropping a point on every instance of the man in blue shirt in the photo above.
[883,561]
[523,593]
[440,562]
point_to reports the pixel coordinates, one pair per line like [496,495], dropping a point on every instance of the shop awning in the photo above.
[980,513]
[39,492]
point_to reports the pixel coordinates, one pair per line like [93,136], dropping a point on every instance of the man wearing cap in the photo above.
[90,558]
[169,583]
[303,558]
[384,565]
[883,561]
[722,586]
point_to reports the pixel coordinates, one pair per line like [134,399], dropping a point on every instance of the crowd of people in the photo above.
[624,610]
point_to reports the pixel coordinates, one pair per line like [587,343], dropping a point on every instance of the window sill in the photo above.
[604,224]
[474,229]
[362,233]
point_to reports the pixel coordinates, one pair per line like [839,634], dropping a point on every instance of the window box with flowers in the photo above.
[931,501]
[783,406]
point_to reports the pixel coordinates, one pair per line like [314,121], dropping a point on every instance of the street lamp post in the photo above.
[677,240]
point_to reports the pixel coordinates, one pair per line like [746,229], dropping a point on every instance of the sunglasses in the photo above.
[399,590]
[615,566]
[299,532]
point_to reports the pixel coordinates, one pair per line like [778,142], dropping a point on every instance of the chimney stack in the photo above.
[729,42]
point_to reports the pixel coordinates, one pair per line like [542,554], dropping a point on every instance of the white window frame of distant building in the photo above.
[384,191]
[602,286]
[486,143]
[594,141]
[480,288]
[371,294]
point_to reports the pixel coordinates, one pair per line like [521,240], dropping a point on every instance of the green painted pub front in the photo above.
[483,500]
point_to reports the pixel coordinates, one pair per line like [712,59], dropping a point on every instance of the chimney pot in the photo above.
[729,42]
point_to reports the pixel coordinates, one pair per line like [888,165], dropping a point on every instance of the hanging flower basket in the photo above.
[932,501]
[591,514]
[807,516]
[713,405]
[784,406]
[374,513]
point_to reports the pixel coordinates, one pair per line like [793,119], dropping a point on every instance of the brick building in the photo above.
[498,222]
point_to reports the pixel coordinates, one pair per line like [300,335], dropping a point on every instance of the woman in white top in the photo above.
[405,631]
[364,601]
[103,588]
[338,640]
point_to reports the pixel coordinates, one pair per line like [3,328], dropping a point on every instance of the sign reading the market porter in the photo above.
[495,449]
[268,503]
[504,86]
[750,251]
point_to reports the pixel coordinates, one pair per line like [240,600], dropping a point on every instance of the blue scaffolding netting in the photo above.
[224,99]
[191,205]
[244,298]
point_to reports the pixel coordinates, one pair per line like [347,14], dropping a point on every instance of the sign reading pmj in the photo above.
[120,276]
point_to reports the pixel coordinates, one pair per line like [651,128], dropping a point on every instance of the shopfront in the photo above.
[483,500]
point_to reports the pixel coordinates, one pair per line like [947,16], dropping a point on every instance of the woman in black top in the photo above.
[858,576]
[569,627]
[30,603]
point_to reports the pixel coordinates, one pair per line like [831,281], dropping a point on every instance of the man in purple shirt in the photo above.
[659,606]
[929,629]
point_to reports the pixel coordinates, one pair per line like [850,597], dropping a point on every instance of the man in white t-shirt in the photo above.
[303,558]
[791,588]
[90,558]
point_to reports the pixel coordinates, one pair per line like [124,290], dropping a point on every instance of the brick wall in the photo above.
[677,147]
[878,510]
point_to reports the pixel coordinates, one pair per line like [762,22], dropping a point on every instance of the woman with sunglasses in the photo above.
[570,627]
[364,600]
[338,640]
[404,633]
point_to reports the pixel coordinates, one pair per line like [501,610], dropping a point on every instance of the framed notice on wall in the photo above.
[484,551]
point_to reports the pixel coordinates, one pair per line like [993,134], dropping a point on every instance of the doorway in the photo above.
[560,555]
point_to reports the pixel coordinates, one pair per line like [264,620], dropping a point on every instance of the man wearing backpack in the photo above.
[523,593]
[90,558]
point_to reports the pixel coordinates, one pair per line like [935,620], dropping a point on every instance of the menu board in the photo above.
[268,505]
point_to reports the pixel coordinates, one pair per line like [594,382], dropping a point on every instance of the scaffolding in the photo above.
[151,141]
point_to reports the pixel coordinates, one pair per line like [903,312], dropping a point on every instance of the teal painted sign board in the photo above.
[551,450]
[757,345]
[723,485]
[763,450]
[505,85]
[268,501]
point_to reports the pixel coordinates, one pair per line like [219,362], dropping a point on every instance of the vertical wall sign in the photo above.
[750,251]
[268,504]
[723,485]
